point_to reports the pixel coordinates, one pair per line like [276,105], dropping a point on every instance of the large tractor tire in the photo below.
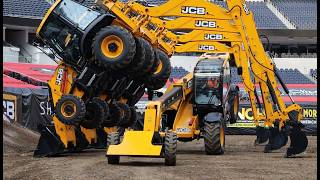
[133,118]
[113,139]
[124,114]
[161,71]
[149,60]
[170,148]
[139,58]
[234,104]
[97,111]
[114,47]
[70,110]
[214,138]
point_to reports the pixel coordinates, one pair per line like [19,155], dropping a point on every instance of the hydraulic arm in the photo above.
[201,26]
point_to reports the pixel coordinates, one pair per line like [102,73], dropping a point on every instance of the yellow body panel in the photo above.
[65,132]
[90,134]
[183,117]
[136,143]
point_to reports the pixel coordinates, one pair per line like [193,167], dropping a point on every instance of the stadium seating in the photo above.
[178,72]
[35,8]
[289,76]
[313,73]
[303,13]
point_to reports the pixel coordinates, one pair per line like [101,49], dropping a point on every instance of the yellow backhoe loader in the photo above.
[208,28]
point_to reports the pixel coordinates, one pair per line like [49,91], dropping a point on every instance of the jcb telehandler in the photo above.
[208,27]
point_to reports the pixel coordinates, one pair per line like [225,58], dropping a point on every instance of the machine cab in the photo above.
[63,27]
[211,80]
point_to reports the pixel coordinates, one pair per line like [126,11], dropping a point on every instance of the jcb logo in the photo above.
[59,76]
[209,24]
[213,36]
[245,8]
[206,47]
[193,10]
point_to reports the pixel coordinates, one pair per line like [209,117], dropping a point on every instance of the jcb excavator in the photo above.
[208,27]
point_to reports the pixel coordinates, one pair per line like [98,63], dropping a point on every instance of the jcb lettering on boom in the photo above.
[213,36]
[59,76]
[193,10]
[206,47]
[201,23]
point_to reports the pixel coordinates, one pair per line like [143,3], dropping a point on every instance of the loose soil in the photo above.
[241,160]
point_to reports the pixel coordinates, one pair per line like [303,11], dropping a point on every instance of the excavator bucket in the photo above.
[298,138]
[49,144]
[262,135]
[135,143]
[277,139]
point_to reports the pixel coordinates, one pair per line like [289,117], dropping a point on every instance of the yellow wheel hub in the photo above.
[222,136]
[159,68]
[112,46]
[68,109]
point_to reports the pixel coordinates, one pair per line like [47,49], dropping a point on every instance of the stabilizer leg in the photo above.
[49,143]
[298,138]
[277,139]
[262,135]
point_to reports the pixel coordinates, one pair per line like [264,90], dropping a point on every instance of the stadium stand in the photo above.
[34,8]
[178,72]
[303,13]
[263,14]
[313,73]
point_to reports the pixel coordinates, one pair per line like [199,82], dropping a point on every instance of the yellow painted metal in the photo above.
[46,16]
[90,135]
[65,132]
[109,40]
[183,117]
[136,143]
[109,130]
[68,104]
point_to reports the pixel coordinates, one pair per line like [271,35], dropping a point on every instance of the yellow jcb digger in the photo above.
[209,28]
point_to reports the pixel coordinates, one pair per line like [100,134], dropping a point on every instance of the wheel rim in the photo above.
[112,46]
[68,109]
[222,136]
[159,68]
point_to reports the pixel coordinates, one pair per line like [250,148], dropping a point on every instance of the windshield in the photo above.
[61,38]
[207,90]
[76,13]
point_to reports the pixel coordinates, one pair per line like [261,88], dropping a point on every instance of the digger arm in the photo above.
[211,28]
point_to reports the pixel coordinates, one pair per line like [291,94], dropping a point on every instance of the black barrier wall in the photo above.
[30,107]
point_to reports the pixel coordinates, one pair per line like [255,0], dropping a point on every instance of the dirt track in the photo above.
[241,160]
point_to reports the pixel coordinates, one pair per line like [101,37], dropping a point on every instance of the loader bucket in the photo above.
[49,144]
[135,143]
[262,135]
[277,139]
[298,138]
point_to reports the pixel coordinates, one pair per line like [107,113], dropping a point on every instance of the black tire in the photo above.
[113,139]
[124,114]
[112,120]
[97,110]
[69,103]
[133,118]
[161,73]
[149,60]
[234,104]
[170,148]
[114,37]
[136,64]
[211,135]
